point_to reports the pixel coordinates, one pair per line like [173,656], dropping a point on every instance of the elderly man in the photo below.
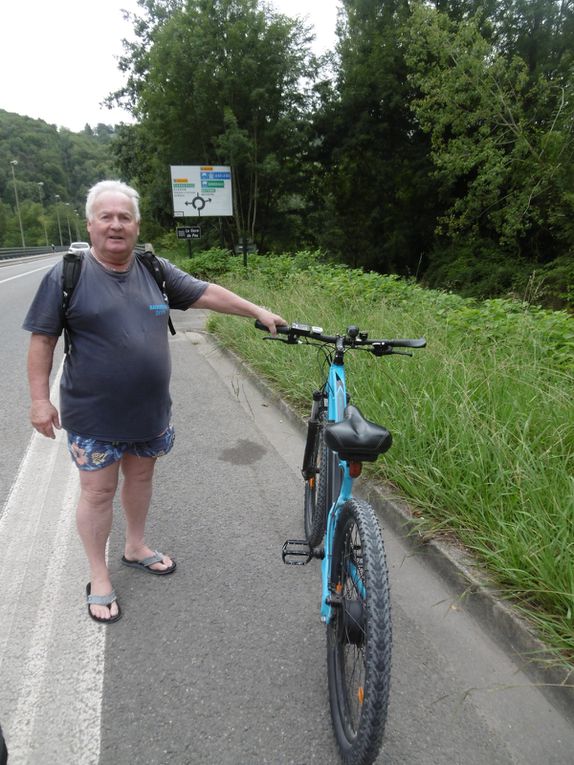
[114,396]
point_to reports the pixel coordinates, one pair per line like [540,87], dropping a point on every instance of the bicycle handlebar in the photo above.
[354,338]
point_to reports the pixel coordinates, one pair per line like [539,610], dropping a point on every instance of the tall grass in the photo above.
[482,419]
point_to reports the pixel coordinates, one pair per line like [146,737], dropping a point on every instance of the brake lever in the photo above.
[388,351]
[293,341]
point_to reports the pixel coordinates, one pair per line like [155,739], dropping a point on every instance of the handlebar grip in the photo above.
[418,342]
[282,329]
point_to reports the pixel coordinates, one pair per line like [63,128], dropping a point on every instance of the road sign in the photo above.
[201,191]
[249,248]
[188,232]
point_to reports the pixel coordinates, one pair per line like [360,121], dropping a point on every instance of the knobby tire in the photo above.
[317,489]
[359,637]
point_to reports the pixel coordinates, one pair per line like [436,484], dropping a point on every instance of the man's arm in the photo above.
[43,415]
[219,299]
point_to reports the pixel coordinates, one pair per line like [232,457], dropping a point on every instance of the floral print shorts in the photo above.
[91,454]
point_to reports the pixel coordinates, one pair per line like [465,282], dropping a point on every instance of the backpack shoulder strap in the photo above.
[71,267]
[155,267]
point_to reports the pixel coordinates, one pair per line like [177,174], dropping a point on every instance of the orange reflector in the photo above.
[361,695]
[355,469]
[311,483]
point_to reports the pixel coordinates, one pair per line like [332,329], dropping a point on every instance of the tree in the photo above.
[540,32]
[373,181]
[220,82]
[501,139]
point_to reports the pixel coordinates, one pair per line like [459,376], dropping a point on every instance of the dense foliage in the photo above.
[435,141]
[221,83]
[482,419]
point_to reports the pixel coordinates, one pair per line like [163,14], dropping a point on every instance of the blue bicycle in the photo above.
[343,532]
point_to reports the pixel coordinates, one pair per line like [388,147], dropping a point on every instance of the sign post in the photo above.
[189,233]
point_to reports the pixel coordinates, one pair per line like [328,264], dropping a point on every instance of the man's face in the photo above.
[113,229]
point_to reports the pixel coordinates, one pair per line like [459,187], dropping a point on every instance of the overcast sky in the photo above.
[58,58]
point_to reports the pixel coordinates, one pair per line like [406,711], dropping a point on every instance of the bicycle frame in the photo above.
[337,401]
[335,391]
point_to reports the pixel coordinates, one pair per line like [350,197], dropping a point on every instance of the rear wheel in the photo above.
[359,636]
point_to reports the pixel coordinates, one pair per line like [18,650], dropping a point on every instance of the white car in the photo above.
[79,247]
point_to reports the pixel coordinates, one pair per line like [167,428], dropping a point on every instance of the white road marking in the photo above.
[27,273]
[51,653]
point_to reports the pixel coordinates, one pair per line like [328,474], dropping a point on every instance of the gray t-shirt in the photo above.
[115,382]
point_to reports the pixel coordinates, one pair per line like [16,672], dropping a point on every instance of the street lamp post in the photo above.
[68,221]
[76,217]
[57,197]
[14,162]
[41,190]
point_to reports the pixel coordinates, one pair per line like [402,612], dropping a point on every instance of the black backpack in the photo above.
[71,273]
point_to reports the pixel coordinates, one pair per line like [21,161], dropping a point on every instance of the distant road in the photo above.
[19,280]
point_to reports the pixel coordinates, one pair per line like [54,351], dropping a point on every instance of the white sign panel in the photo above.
[201,191]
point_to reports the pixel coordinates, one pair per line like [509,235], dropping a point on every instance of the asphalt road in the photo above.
[18,282]
[223,662]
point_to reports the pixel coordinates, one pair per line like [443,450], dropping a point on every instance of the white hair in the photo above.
[116,187]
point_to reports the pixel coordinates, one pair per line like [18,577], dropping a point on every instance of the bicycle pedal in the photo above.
[294,550]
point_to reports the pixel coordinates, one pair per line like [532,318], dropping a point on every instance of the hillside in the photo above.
[54,170]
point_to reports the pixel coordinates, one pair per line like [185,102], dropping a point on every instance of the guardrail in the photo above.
[26,252]
[23,252]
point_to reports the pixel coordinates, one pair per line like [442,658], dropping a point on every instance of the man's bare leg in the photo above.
[136,493]
[94,521]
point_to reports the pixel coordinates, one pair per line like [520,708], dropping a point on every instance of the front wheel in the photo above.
[359,635]
[316,485]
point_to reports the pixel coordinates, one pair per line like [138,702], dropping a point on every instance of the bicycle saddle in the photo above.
[357,439]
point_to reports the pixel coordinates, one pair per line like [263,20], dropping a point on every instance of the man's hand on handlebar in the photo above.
[270,320]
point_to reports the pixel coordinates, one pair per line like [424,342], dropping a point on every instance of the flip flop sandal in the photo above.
[102,600]
[145,563]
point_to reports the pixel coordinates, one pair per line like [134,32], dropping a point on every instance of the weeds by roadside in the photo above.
[483,419]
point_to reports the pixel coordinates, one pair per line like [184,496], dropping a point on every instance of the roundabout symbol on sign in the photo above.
[198,203]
